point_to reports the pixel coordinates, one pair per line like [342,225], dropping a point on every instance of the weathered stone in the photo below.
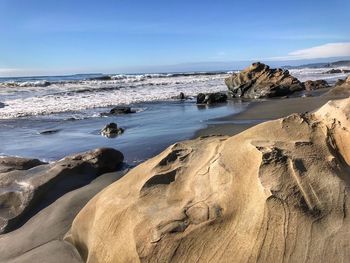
[31,185]
[259,81]
[111,130]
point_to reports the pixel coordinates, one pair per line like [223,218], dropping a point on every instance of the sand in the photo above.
[260,111]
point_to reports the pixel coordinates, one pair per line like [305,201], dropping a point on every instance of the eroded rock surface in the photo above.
[278,192]
[260,81]
[31,185]
[341,88]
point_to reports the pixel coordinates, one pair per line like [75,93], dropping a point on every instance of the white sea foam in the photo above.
[82,95]
[41,97]
[304,74]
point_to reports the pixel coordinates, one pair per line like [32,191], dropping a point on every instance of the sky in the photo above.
[43,37]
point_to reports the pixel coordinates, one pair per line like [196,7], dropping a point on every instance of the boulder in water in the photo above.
[315,84]
[111,130]
[259,81]
[211,98]
[121,110]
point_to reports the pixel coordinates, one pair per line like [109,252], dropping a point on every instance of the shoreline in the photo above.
[261,111]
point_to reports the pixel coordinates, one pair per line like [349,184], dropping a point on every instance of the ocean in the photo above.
[73,106]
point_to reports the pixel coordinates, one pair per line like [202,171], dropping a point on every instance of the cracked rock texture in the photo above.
[260,81]
[278,192]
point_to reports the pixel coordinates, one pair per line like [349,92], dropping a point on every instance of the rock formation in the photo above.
[259,81]
[340,89]
[111,130]
[277,192]
[9,163]
[337,71]
[315,84]
[121,110]
[211,98]
[26,186]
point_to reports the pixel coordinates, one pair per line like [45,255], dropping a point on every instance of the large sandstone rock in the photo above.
[340,89]
[259,81]
[25,192]
[277,192]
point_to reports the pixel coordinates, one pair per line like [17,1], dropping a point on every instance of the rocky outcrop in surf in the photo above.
[315,84]
[260,81]
[28,185]
[211,98]
[111,130]
[277,192]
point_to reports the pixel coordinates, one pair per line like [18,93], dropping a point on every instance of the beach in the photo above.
[43,231]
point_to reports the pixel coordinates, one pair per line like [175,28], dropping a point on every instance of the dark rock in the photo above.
[111,130]
[9,163]
[25,192]
[315,84]
[259,81]
[48,132]
[121,110]
[337,71]
[2,105]
[200,98]
[182,96]
[105,77]
[211,98]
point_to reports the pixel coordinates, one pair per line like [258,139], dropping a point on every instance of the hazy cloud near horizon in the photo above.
[302,56]
[322,51]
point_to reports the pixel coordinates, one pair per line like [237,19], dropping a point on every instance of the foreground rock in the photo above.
[40,239]
[259,81]
[277,192]
[340,89]
[25,190]
[111,130]
[211,98]
[315,84]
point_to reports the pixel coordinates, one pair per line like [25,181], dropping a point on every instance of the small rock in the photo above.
[106,77]
[337,71]
[211,98]
[315,84]
[111,130]
[48,132]
[121,110]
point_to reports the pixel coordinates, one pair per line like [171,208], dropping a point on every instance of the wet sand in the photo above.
[261,111]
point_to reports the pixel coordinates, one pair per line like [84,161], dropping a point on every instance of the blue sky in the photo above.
[66,36]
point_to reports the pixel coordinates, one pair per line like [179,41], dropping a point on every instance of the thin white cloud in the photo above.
[324,51]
